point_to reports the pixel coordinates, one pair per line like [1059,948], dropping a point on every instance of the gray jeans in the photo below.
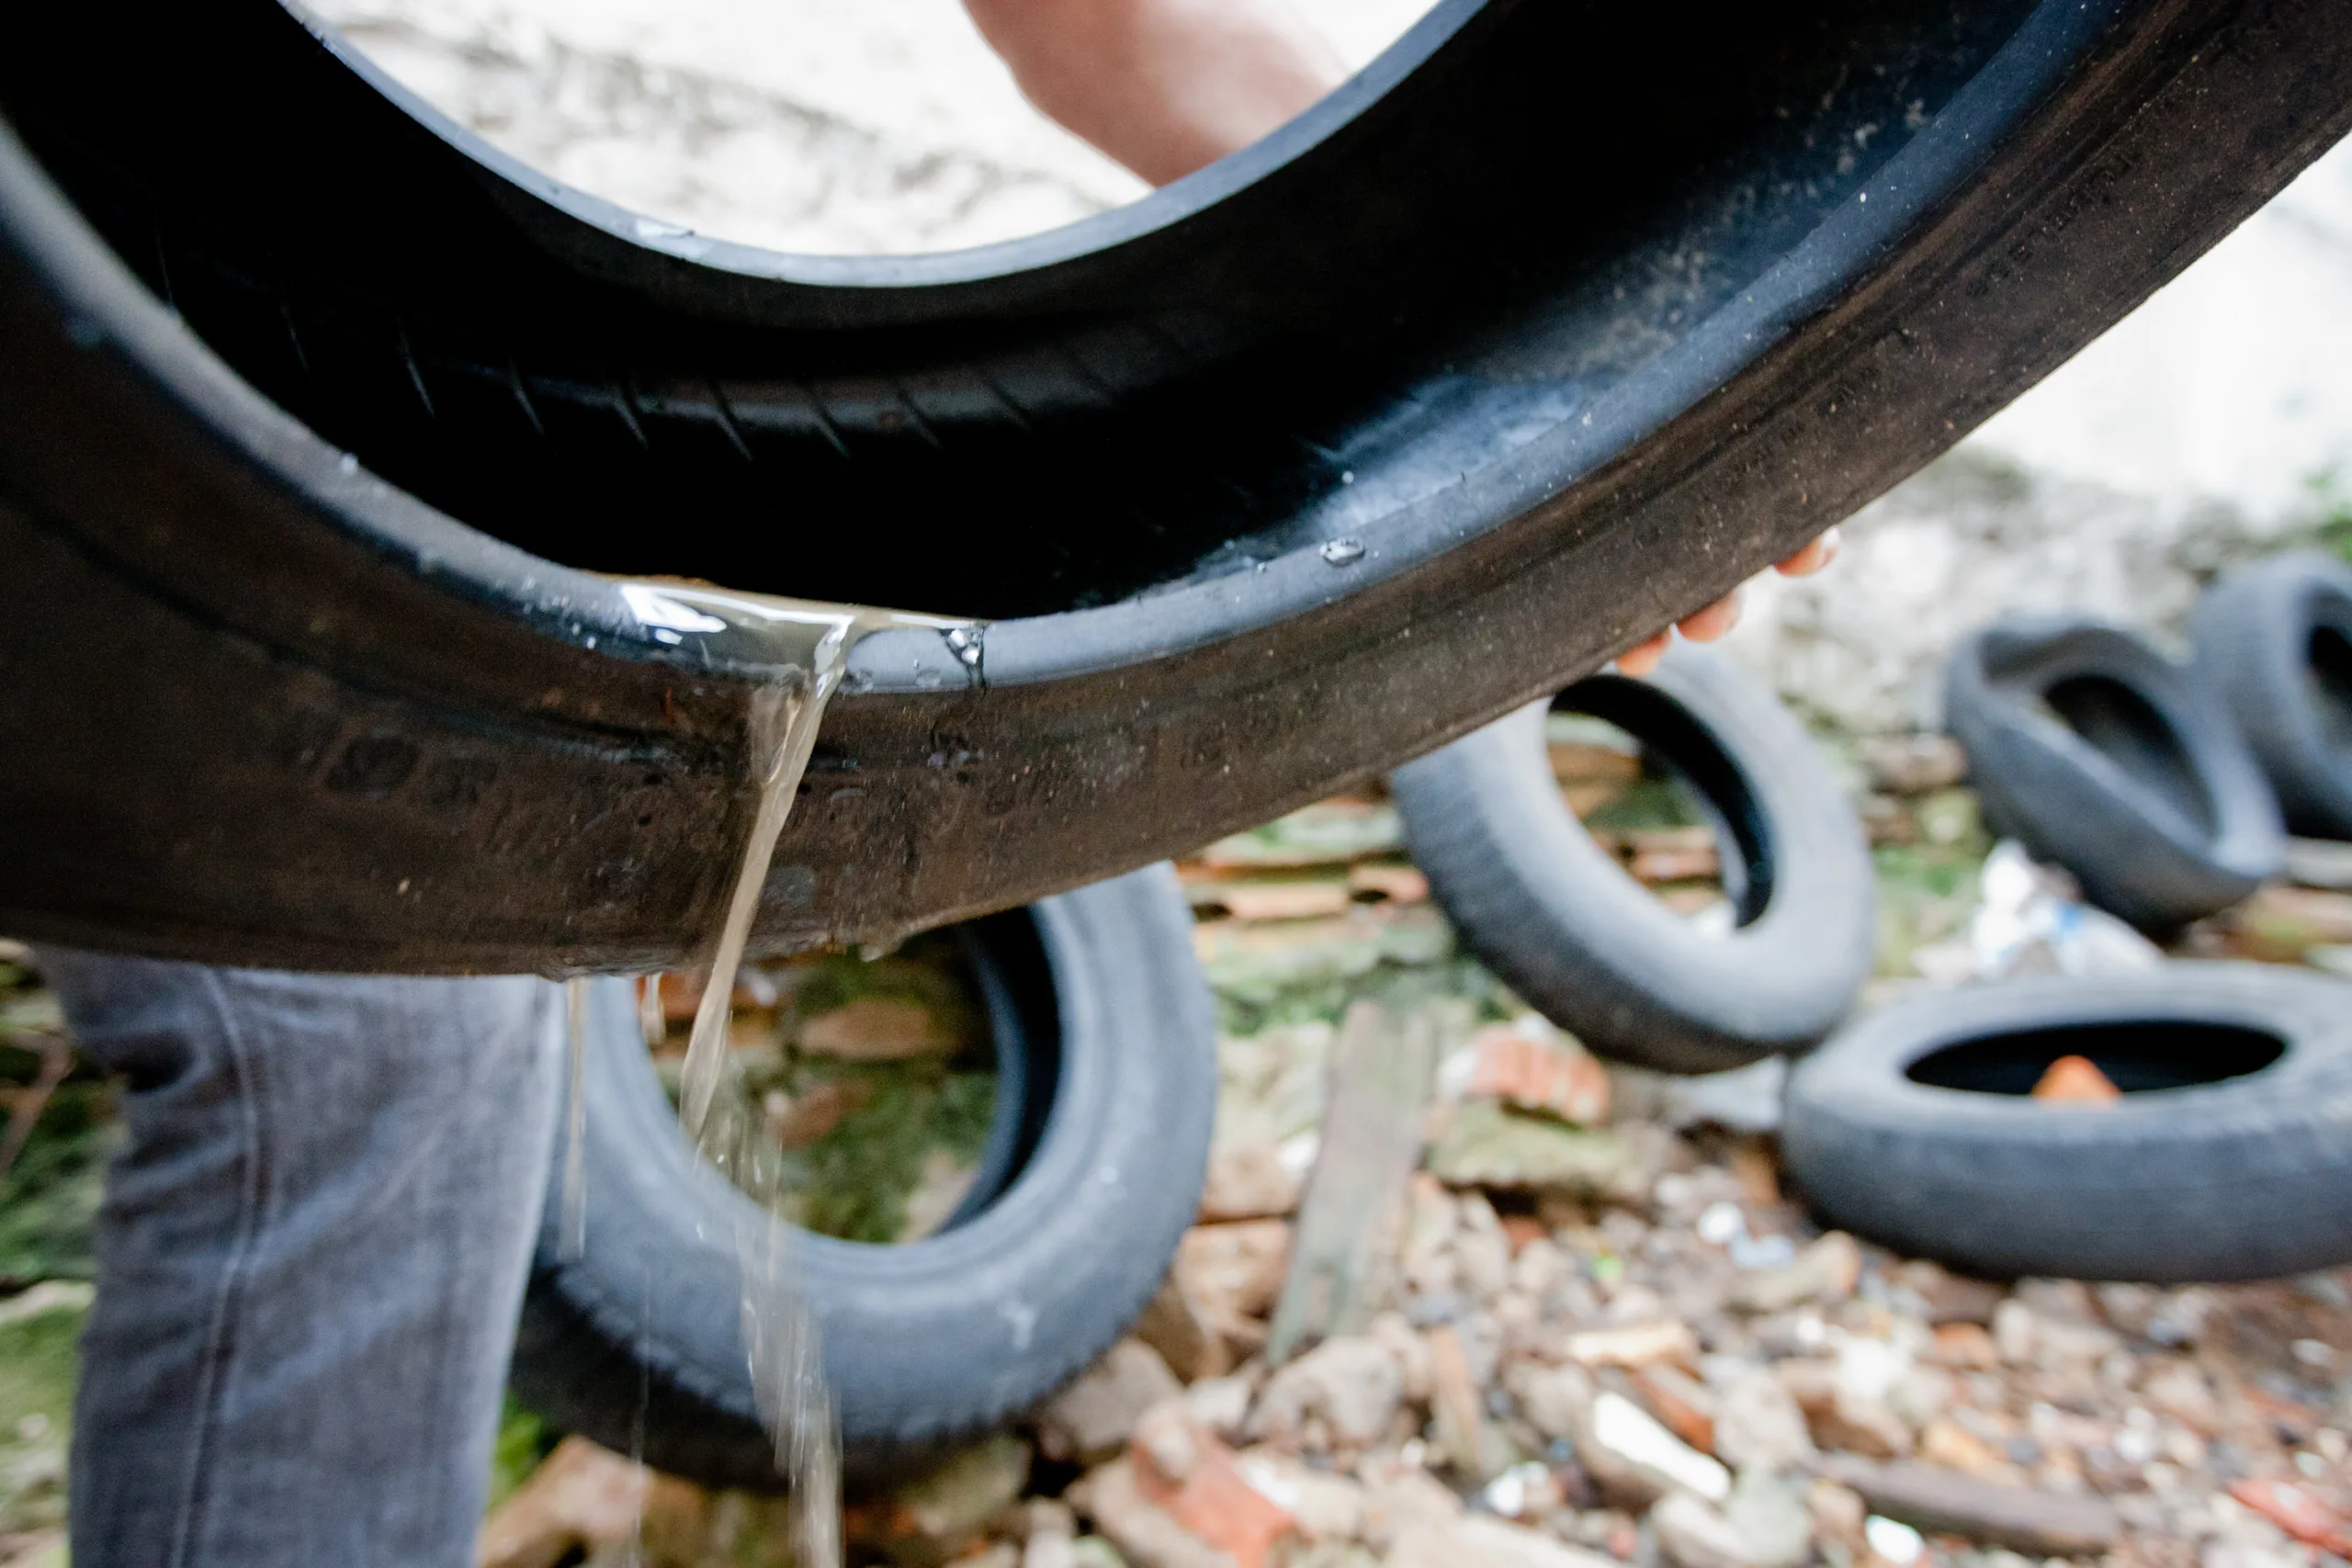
[310,1259]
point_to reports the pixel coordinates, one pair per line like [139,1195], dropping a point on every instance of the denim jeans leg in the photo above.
[310,1257]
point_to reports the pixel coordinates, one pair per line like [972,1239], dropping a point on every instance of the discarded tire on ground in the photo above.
[1569,930]
[312,405]
[1107,1088]
[2224,1158]
[2274,640]
[2096,751]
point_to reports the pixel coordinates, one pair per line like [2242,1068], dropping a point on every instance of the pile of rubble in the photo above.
[1664,1363]
[1542,1312]
[1625,1344]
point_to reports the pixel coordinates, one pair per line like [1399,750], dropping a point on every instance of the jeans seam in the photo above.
[220,1344]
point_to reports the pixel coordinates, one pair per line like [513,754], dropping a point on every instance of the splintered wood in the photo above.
[1381,1068]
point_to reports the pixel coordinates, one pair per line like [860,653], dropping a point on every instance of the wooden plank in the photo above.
[1382,1067]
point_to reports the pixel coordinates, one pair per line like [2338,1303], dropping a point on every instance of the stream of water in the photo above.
[808,645]
[573,1240]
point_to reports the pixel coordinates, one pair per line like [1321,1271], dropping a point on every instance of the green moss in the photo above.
[2336,534]
[1314,980]
[928,971]
[523,1441]
[48,1201]
[1953,825]
[1327,833]
[39,1361]
[1926,893]
[1655,801]
[855,1181]
[2331,497]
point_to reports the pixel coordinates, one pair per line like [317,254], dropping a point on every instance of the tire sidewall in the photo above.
[1579,938]
[2252,635]
[640,1341]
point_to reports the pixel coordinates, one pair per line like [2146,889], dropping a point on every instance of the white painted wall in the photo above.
[841,126]
[2233,383]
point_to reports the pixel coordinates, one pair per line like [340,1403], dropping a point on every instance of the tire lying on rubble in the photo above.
[1106,1090]
[319,417]
[2273,642]
[1569,930]
[2224,1159]
[2096,751]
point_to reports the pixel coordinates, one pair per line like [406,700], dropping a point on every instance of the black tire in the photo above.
[312,403]
[637,1339]
[2094,751]
[2241,1179]
[1567,929]
[2273,642]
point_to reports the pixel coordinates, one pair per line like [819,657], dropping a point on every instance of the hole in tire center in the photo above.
[817,127]
[2123,727]
[879,1082]
[2330,661]
[2137,1057]
[1674,816]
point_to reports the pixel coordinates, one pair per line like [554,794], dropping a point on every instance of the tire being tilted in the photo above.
[1107,1090]
[1564,926]
[2096,751]
[2224,1159]
[322,421]
[2273,642]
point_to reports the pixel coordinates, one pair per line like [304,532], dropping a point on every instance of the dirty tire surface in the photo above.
[319,420]
[1570,932]
[2096,751]
[926,1342]
[2247,1178]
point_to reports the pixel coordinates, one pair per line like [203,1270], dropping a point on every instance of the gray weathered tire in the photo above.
[2101,754]
[638,1341]
[2244,1178]
[2273,642]
[1535,897]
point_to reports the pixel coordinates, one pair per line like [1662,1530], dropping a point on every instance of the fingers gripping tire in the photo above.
[1913,1127]
[2098,752]
[639,1339]
[1564,926]
[2273,642]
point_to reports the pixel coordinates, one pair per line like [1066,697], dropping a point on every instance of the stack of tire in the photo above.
[2166,788]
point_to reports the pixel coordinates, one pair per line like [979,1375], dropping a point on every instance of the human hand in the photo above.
[1719,617]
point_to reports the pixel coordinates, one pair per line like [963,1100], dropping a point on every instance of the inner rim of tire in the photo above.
[1675,741]
[1289,360]
[2128,729]
[2330,657]
[2139,1057]
[1003,967]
